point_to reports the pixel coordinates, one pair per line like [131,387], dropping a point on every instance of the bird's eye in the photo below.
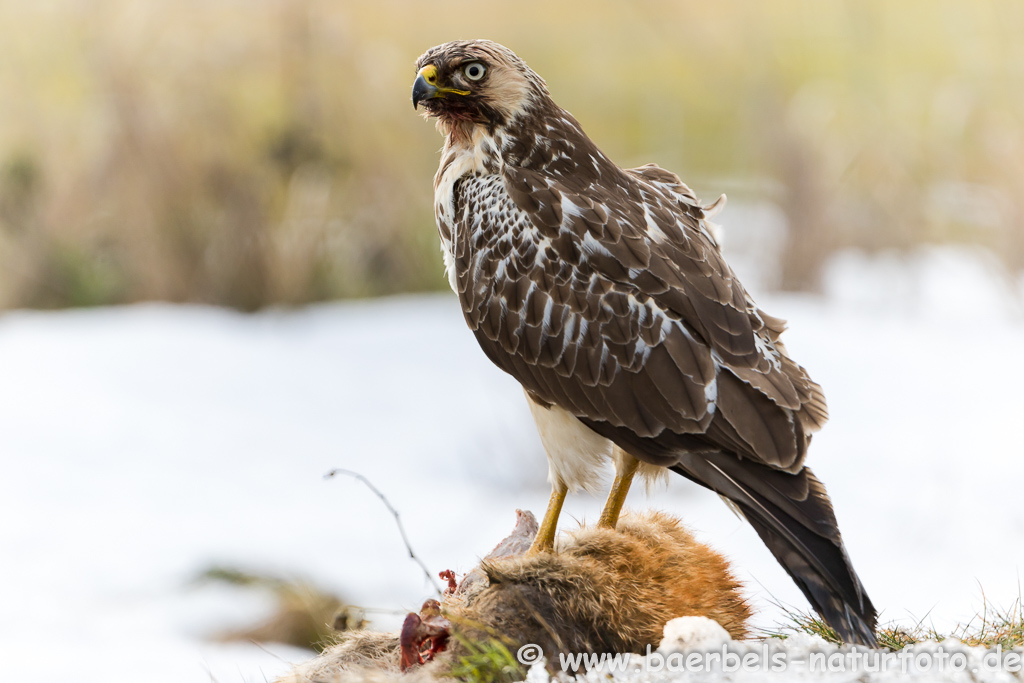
[474,71]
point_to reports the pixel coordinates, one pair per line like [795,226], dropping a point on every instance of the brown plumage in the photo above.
[604,293]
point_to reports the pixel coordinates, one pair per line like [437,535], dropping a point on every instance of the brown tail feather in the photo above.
[790,512]
[813,556]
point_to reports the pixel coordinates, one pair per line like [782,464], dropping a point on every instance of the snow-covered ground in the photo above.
[140,445]
[698,649]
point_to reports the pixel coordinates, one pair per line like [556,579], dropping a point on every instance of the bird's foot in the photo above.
[625,469]
[545,540]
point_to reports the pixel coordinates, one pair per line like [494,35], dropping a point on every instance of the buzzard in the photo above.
[604,293]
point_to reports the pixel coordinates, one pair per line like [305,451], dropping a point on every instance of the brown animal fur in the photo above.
[603,590]
[360,657]
[607,590]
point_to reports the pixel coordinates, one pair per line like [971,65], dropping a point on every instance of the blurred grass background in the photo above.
[258,152]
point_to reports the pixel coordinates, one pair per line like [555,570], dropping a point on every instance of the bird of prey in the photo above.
[604,293]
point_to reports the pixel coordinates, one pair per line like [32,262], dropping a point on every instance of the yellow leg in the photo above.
[545,540]
[625,469]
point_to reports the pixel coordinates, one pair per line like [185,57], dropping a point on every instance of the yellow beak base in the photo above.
[425,86]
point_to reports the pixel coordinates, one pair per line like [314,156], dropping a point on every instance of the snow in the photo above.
[802,657]
[141,445]
[690,633]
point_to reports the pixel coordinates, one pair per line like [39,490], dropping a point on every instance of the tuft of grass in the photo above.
[990,628]
[994,627]
[897,637]
[797,621]
[485,661]
[306,616]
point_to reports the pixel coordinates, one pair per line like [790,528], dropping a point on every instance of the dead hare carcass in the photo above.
[603,590]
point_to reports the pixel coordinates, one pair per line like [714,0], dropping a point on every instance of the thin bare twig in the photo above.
[398,521]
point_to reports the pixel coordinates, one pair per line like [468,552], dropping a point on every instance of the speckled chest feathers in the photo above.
[572,272]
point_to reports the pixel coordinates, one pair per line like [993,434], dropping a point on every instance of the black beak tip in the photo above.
[421,90]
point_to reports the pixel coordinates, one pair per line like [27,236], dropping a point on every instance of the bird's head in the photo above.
[475,82]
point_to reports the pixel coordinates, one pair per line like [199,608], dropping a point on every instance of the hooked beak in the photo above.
[426,88]
[421,90]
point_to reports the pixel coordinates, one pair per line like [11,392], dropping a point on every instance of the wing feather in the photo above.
[616,305]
